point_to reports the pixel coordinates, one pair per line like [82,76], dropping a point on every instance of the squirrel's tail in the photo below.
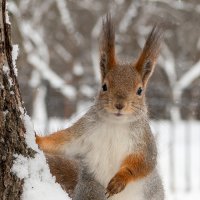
[75,180]
[65,171]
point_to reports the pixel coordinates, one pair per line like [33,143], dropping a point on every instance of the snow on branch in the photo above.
[63,53]
[189,77]
[42,9]
[167,62]
[67,20]
[127,19]
[35,57]
[55,81]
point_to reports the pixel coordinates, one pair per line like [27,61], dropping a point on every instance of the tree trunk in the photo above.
[12,130]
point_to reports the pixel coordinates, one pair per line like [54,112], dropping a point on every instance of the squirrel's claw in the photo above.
[107,195]
[116,185]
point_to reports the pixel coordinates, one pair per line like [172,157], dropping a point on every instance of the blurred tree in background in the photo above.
[58,62]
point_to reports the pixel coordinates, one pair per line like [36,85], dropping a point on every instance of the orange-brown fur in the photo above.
[53,144]
[107,47]
[133,167]
[146,61]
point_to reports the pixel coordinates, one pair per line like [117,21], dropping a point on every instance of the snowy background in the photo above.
[59,76]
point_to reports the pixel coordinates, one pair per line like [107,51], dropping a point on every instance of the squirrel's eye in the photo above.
[104,87]
[139,91]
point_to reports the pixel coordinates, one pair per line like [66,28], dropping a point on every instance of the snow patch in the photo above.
[15,51]
[6,71]
[30,133]
[78,69]
[126,21]
[178,144]
[87,91]
[21,109]
[7,16]
[39,115]
[5,113]
[38,181]
[35,79]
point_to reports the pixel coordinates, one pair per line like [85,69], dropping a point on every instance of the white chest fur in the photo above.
[104,147]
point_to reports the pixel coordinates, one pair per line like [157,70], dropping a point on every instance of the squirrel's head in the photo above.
[123,85]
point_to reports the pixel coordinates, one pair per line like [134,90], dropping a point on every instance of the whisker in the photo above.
[138,108]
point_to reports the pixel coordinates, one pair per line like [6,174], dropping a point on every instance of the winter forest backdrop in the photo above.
[59,76]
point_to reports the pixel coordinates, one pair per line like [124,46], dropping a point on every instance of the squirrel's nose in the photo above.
[119,106]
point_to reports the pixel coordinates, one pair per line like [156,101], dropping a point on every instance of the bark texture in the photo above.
[12,130]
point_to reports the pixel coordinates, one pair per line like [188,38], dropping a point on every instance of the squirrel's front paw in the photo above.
[116,185]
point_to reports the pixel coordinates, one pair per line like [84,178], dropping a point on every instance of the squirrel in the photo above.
[113,140]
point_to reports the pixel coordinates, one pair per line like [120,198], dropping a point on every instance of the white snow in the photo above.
[38,181]
[5,113]
[30,133]
[189,77]
[39,115]
[55,124]
[15,51]
[67,21]
[97,29]
[95,50]
[6,71]
[87,91]
[35,79]
[119,1]
[7,16]
[167,62]
[55,80]
[65,15]
[179,163]
[63,53]
[78,69]
[129,14]
[22,111]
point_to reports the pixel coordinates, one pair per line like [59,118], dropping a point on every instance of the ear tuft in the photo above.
[107,46]
[147,60]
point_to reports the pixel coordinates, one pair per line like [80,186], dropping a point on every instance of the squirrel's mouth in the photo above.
[118,114]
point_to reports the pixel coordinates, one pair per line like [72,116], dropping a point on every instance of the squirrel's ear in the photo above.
[107,46]
[147,59]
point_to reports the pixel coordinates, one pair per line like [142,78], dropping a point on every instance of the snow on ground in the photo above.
[179,160]
[38,182]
